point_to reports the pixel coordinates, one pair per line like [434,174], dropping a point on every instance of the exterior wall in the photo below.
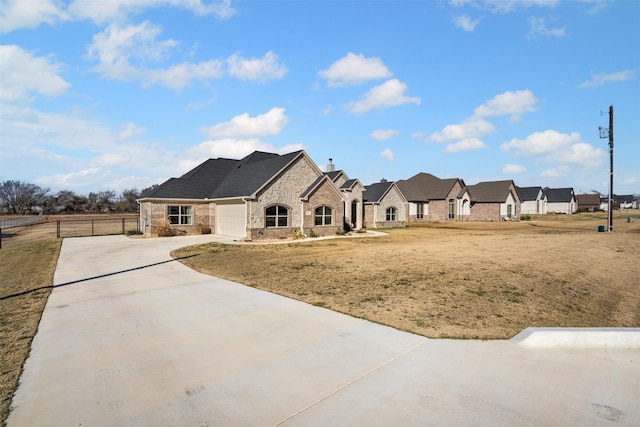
[349,198]
[156,212]
[284,190]
[326,195]
[515,208]
[413,212]
[464,207]
[562,207]
[529,207]
[375,214]
[438,210]
[485,212]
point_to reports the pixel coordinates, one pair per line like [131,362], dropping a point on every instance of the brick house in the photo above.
[431,198]
[588,202]
[263,195]
[352,193]
[384,205]
[494,201]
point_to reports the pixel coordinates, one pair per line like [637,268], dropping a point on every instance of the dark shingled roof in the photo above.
[225,178]
[557,195]
[490,191]
[333,175]
[588,200]
[375,192]
[528,193]
[348,184]
[424,187]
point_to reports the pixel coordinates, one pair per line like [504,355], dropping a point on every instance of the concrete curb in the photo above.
[567,338]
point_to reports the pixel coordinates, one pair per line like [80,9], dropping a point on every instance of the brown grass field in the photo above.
[456,280]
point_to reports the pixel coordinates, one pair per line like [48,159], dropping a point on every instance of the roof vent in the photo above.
[331,167]
[383,180]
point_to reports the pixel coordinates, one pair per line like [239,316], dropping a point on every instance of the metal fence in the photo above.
[97,227]
[18,222]
[71,227]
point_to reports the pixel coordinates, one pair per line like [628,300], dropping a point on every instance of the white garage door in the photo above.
[231,221]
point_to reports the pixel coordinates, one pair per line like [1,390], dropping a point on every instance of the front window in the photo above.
[277,216]
[392,214]
[420,211]
[509,211]
[452,209]
[180,215]
[324,216]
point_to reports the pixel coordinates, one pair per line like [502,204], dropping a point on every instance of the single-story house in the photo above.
[263,195]
[431,198]
[352,192]
[628,201]
[494,201]
[532,200]
[588,202]
[384,205]
[560,200]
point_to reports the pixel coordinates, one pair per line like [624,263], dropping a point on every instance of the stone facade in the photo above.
[375,215]
[154,213]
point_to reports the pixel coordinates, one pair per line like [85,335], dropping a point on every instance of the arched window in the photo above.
[392,214]
[324,216]
[277,216]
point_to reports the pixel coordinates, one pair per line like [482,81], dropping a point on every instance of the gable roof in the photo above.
[588,199]
[225,178]
[334,175]
[424,187]
[528,193]
[374,193]
[558,195]
[491,191]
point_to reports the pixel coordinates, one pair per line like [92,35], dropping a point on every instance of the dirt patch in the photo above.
[458,280]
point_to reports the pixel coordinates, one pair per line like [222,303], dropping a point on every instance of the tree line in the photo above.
[17,197]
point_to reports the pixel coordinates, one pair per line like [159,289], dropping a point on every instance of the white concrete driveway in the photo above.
[131,338]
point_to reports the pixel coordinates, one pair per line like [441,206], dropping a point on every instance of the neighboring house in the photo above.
[560,200]
[588,202]
[384,205]
[494,201]
[263,195]
[628,201]
[352,192]
[431,198]
[532,200]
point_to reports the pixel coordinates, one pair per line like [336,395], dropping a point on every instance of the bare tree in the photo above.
[19,197]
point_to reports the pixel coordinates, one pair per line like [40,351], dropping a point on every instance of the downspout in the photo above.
[247,217]
[301,216]
[375,215]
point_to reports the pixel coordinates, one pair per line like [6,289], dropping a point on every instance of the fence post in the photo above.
[92,233]
[58,229]
[0,238]
[122,225]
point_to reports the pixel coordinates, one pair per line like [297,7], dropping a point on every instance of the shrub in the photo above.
[340,232]
[164,229]
[133,232]
[525,217]
[204,228]
[299,235]
[313,234]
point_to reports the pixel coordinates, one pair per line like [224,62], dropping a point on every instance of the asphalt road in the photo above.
[130,337]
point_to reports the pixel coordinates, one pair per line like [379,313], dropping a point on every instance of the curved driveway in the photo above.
[130,337]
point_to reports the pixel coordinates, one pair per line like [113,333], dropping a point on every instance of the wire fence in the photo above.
[19,222]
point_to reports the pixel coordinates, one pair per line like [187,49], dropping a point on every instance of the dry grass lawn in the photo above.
[455,280]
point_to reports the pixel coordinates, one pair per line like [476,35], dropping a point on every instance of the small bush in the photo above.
[340,232]
[164,229]
[204,228]
[133,233]
[525,217]
[299,235]
[313,234]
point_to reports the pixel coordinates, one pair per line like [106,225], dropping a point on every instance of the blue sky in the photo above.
[123,94]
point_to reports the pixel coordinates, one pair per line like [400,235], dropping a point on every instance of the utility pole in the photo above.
[604,133]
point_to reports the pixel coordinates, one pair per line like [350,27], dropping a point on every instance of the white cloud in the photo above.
[552,146]
[327,110]
[130,130]
[235,149]
[541,143]
[554,172]
[22,75]
[513,169]
[101,12]
[471,128]
[465,145]
[382,134]
[388,94]
[508,6]
[465,22]
[354,69]
[243,125]
[513,103]
[17,14]
[261,69]
[538,27]
[602,78]
[387,155]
